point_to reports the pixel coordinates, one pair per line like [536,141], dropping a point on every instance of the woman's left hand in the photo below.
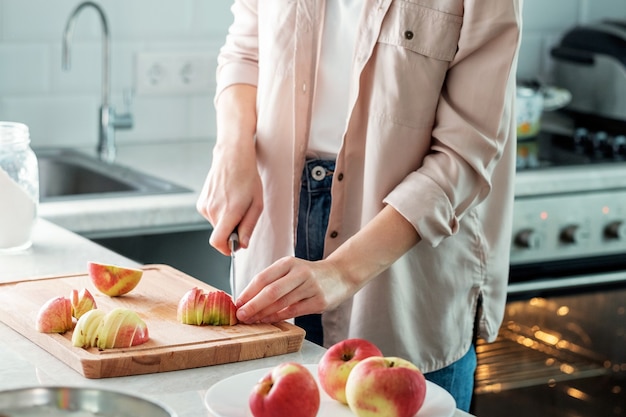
[293,287]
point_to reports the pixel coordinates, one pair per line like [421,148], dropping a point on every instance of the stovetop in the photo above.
[582,147]
[572,154]
[569,139]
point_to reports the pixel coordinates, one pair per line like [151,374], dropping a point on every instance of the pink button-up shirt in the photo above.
[430,132]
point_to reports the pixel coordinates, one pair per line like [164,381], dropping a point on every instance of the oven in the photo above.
[561,350]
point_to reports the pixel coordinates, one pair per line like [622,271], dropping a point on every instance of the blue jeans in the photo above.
[314,208]
[458,379]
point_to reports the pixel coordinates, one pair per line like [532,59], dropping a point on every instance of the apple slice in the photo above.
[82,302]
[213,308]
[55,316]
[187,307]
[210,310]
[114,280]
[120,328]
[86,330]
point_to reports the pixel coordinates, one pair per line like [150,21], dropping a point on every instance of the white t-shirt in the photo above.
[330,103]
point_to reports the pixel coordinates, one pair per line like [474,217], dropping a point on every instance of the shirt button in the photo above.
[340,176]
[408,34]
[334,234]
[318,173]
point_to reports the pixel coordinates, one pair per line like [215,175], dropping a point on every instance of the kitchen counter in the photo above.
[23,364]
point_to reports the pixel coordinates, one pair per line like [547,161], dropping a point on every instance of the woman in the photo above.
[375,140]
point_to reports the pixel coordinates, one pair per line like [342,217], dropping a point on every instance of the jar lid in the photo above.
[12,132]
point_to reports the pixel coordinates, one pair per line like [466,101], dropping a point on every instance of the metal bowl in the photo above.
[77,402]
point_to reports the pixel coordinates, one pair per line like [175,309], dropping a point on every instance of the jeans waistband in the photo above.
[318,174]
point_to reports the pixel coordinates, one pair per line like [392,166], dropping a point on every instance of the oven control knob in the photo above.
[528,239]
[573,234]
[615,230]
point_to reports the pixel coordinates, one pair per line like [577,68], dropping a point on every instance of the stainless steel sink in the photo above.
[65,174]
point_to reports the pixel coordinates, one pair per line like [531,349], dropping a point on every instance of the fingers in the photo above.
[261,284]
[249,220]
[220,234]
[307,306]
[284,290]
[243,220]
[228,207]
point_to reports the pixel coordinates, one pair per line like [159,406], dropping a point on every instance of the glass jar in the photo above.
[19,187]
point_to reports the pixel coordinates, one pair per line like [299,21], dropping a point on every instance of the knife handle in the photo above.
[233,241]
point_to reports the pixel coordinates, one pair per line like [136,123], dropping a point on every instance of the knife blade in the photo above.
[233,243]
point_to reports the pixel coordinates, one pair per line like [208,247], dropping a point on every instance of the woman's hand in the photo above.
[232,195]
[293,287]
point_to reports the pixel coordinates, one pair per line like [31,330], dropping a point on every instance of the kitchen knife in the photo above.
[233,242]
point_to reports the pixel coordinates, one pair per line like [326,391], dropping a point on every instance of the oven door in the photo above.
[561,350]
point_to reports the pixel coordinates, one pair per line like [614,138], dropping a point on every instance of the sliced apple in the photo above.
[86,331]
[114,280]
[82,302]
[119,328]
[186,311]
[55,316]
[213,308]
[211,312]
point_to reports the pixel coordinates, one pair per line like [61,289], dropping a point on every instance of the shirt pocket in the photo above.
[421,29]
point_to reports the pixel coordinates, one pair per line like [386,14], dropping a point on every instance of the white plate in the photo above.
[229,398]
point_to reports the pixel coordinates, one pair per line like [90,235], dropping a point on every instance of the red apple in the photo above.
[82,302]
[113,280]
[289,389]
[55,316]
[335,366]
[214,308]
[385,386]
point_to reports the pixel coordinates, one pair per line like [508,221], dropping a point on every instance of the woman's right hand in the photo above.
[232,195]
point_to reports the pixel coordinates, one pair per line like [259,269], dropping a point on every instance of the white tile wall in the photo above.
[545,21]
[61,107]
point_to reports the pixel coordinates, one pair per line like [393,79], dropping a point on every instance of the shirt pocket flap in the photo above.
[423,30]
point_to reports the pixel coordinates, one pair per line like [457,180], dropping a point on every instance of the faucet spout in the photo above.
[108,120]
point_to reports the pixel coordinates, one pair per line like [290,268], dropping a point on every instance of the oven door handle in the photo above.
[549,284]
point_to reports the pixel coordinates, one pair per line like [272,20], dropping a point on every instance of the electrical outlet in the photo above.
[161,73]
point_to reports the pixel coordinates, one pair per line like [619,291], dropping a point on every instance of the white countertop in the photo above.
[56,250]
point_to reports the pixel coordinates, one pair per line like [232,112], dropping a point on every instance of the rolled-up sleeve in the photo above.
[472,123]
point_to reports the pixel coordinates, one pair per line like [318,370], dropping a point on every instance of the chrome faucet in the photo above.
[109,120]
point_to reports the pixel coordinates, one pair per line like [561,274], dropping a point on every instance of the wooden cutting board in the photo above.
[172,345]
